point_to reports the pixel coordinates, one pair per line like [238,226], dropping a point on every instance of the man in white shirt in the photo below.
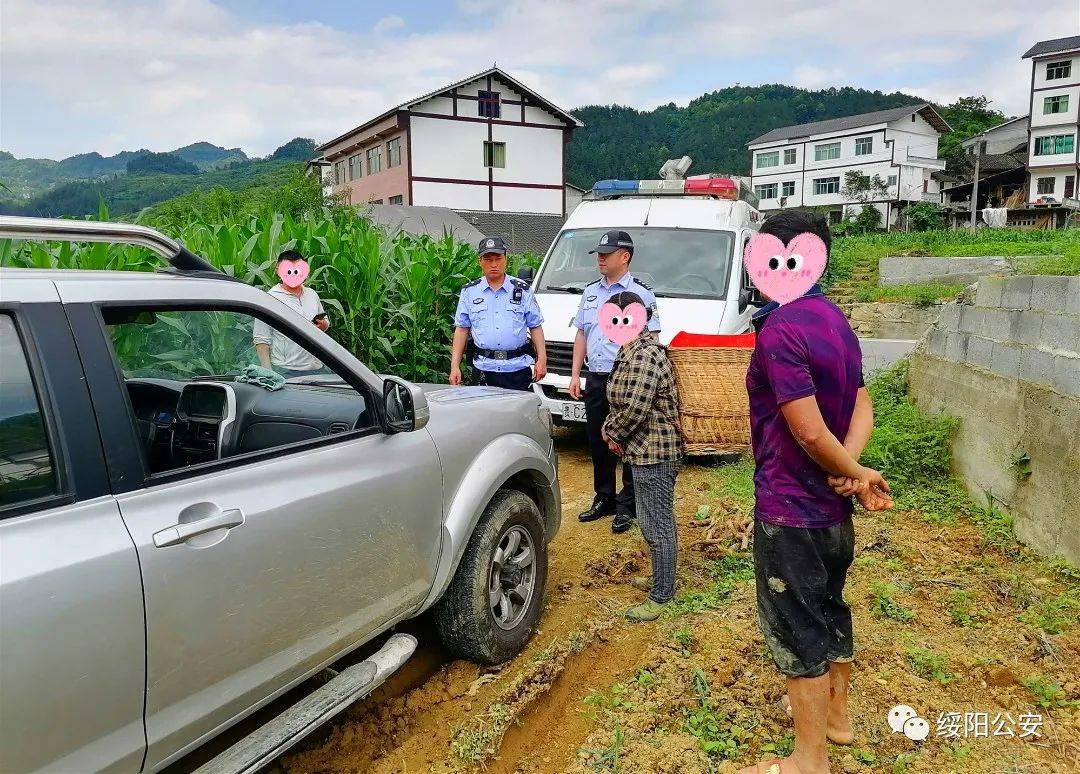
[276,350]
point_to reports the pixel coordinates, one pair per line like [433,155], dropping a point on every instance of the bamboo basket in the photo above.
[714,408]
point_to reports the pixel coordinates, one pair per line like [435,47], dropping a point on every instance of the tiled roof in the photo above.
[831,125]
[523,231]
[1054,46]
[959,174]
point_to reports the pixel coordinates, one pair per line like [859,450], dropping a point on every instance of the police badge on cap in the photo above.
[612,241]
[492,244]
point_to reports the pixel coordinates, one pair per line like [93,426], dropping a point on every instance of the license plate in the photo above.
[573,411]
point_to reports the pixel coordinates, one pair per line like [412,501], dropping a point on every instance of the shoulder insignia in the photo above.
[639,282]
[473,283]
[595,282]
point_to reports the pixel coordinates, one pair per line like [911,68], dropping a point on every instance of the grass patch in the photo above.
[1055,615]
[481,740]
[965,611]
[929,665]
[606,759]
[884,606]
[718,735]
[727,573]
[735,481]
[923,294]
[1048,694]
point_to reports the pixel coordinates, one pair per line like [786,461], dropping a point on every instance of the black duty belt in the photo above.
[503,354]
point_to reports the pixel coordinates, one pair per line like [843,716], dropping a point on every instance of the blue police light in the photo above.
[608,187]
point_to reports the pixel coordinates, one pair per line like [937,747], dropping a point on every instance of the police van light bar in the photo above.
[718,186]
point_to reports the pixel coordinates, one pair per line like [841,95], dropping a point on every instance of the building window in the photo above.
[393,153]
[397,200]
[488,105]
[892,179]
[787,188]
[1045,185]
[789,155]
[1056,104]
[766,191]
[495,154]
[770,159]
[1070,186]
[356,166]
[1057,70]
[864,146]
[827,151]
[826,185]
[374,159]
[339,172]
[1053,144]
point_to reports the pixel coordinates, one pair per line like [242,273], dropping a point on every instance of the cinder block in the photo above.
[956,347]
[980,351]
[1017,293]
[1067,375]
[971,320]
[1072,301]
[998,324]
[936,342]
[1006,360]
[1028,329]
[989,291]
[1037,366]
[949,317]
[1061,332]
[1049,293]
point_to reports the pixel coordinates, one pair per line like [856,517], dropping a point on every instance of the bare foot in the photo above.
[838,728]
[786,766]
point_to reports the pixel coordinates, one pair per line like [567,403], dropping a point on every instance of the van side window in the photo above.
[26,464]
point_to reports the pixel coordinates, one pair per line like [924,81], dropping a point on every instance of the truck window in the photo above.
[26,464]
[674,262]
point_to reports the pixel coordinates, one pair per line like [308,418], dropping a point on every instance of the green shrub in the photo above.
[923,216]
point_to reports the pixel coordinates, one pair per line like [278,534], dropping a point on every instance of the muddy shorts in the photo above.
[800,575]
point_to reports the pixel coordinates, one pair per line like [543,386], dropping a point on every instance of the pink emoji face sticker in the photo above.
[784,273]
[293,273]
[622,325]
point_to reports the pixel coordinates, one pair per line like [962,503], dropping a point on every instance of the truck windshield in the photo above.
[675,262]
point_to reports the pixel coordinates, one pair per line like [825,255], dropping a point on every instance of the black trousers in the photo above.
[604,461]
[510,380]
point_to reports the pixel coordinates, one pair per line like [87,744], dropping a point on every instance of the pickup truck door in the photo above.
[72,634]
[318,545]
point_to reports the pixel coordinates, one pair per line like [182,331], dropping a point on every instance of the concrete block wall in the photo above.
[1018,327]
[1008,366]
[913,270]
[891,321]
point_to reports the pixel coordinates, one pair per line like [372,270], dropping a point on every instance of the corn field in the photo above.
[391,299]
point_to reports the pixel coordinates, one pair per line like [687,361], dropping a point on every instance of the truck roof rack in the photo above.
[181,260]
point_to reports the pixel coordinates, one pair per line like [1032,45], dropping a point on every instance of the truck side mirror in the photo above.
[526,273]
[404,406]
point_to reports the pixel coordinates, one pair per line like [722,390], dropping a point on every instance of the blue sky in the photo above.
[109,75]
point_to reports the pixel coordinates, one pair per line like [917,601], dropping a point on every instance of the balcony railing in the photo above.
[931,162]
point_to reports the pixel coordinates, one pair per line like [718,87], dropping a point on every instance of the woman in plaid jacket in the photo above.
[643,428]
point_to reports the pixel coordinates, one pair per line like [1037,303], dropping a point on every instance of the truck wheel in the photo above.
[490,611]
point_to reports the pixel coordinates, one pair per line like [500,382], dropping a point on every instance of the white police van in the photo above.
[688,244]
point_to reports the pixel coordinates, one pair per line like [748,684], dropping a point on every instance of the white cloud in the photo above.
[114,74]
[388,23]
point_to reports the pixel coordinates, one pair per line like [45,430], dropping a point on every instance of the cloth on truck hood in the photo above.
[263,377]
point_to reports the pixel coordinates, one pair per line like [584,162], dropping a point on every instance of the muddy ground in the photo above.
[946,620]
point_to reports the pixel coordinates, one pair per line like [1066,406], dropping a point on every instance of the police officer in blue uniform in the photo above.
[597,351]
[501,315]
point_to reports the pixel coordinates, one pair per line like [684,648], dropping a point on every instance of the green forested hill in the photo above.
[713,129]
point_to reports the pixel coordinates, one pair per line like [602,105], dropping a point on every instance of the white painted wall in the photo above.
[533,155]
[528,200]
[455,195]
[1040,72]
[442,148]
[1039,118]
[1058,175]
[444,106]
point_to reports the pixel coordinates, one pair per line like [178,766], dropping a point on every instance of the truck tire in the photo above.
[492,606]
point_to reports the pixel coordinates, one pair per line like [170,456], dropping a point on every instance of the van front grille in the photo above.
[560,358]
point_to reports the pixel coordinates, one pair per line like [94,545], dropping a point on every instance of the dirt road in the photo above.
[938,614]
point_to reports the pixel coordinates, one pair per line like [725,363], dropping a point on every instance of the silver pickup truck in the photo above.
[181,543]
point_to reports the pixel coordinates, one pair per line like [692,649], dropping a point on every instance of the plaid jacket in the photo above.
[644,415]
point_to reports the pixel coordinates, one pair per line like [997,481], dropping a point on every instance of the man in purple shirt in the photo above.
[810,417]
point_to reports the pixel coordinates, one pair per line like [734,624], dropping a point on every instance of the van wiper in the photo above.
[564,289]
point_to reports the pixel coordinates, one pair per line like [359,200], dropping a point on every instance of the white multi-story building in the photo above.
[484,143]
[805,165]
[1053,163]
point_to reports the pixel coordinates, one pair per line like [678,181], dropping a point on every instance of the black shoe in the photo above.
[622,522]
[596,511]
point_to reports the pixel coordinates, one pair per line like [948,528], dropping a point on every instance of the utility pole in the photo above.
[975,186]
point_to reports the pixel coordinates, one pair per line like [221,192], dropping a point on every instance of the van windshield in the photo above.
[674,262]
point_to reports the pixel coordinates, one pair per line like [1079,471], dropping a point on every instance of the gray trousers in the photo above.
[654,494]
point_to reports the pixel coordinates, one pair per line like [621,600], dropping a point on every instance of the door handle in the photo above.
[171,536]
